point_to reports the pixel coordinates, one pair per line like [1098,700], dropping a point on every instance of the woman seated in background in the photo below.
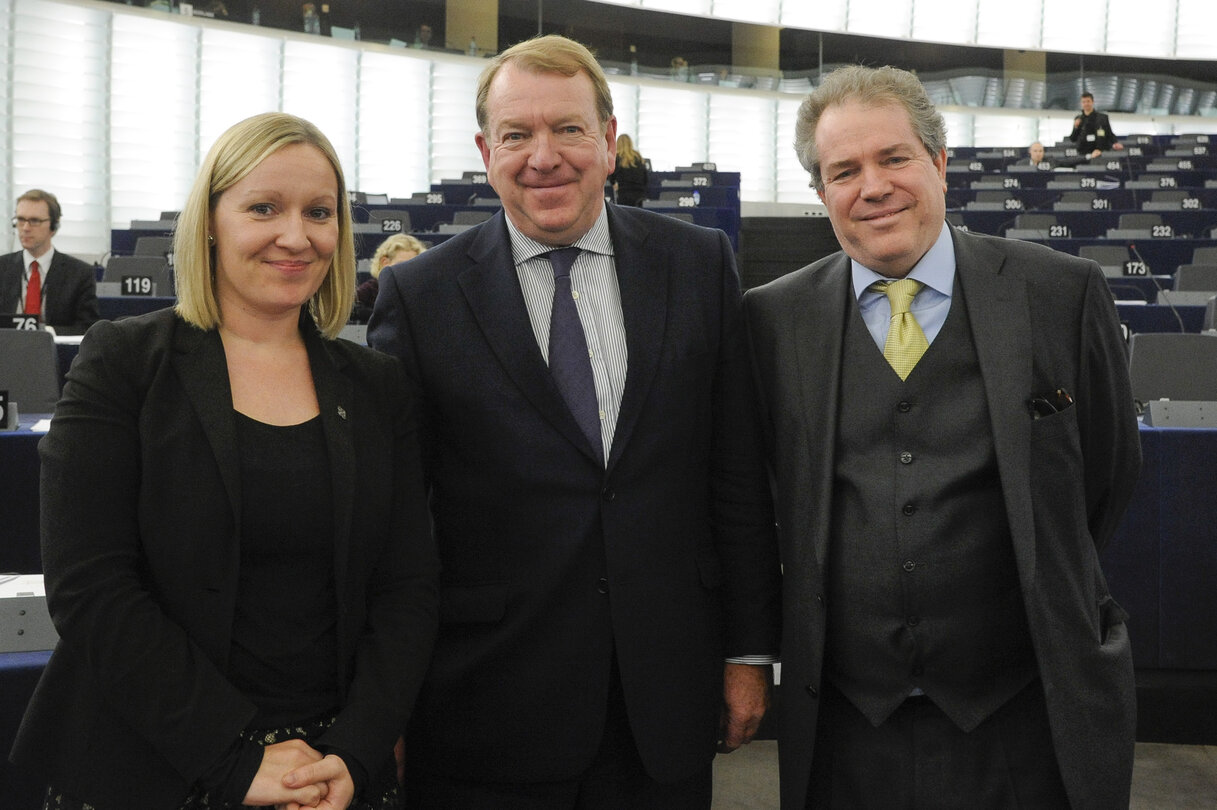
[629,179]
[396,249]
[234,532]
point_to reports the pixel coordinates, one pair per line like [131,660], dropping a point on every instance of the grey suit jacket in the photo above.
[1041,320]
[70,294]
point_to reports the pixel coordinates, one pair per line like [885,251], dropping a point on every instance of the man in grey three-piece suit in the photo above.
[945,475]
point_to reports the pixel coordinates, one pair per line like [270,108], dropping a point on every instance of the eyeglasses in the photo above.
[19,221]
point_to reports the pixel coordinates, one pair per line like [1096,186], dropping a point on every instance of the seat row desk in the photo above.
[1186,226]
[423,218]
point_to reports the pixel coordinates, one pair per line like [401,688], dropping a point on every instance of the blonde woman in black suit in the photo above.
[240,624]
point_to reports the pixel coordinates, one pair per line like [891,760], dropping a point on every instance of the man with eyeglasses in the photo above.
[38,280]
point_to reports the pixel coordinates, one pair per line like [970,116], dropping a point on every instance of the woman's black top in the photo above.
[284,654]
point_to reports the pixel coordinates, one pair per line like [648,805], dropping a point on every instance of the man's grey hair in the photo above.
[870,87]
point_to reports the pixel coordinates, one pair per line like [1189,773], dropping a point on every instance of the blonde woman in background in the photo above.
[396,249]
[629,179]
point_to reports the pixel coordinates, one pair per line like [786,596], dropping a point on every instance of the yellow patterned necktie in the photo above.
[906,342]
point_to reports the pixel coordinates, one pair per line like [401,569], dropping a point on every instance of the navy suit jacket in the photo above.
[69,295]
[1041,320]
[553,564]
[141,534]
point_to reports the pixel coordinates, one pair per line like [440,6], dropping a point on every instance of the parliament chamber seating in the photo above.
[154,267]
[153,246]
[1196,277]
[378,216]
[696,193]
[1141,213]
[1173,366]
[1111,258]
[29,370]
[1034,226]
[1204,255]
[1075,201]
[471,217]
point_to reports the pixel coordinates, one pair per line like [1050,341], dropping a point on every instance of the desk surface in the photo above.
[1159,317]
[1190,224]
[1162,256]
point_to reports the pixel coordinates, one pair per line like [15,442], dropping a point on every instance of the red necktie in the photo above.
[33,291]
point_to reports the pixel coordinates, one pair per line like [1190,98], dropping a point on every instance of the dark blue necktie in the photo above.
[569,361]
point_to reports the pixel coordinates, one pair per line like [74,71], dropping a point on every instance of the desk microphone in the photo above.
[1165,296]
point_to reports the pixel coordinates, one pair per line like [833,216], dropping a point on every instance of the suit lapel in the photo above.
[55,278]
[492,289]
[203,374]
[998,309]
[819,309]
[55,281]
[642,276]
[334,394]
[11,271]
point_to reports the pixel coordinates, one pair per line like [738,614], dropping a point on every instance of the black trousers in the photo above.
[918,759]
[616,780]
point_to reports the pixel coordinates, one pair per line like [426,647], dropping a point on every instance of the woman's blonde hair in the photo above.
[626,154]
[391,247]
[233,156]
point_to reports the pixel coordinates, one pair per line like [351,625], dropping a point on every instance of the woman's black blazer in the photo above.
[141,543]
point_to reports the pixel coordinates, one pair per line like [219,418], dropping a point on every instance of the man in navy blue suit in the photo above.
[610,575]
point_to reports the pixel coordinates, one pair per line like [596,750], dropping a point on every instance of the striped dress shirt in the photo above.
[598,300]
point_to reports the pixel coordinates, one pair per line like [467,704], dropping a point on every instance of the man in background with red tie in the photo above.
[38,280]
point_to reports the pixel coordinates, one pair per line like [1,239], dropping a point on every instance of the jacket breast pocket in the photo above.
[1059,424]
[1057,475]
